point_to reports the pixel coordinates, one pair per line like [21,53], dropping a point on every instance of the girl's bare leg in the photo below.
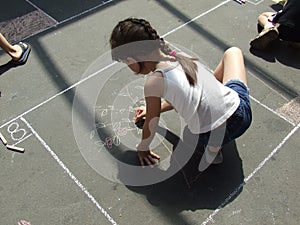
[263,19]
[14,51]
[231,66]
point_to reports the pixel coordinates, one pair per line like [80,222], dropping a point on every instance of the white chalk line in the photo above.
[195,18]
[265,106]
[58,94]
[246,180]
[70,174]
[269,86]
[293,131]
[271,110]
[272,80]
[254,3]
[23,139]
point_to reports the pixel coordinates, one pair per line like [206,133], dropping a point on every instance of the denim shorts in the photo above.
[238,122]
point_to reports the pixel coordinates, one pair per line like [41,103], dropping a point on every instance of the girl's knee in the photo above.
[262,19]
[233,51]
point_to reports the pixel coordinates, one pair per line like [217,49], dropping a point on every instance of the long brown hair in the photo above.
[135,30]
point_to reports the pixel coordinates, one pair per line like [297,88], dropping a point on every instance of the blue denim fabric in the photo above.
[239,121]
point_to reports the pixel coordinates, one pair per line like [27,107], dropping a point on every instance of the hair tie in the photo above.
[173,53]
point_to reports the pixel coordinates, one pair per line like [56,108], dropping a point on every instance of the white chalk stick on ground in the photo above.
[15,148]
[4,141]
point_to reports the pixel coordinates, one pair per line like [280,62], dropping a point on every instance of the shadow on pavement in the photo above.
[280,51]
[190,189]
[7,66]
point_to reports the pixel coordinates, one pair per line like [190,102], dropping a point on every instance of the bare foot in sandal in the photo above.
[20,56]
[18,52]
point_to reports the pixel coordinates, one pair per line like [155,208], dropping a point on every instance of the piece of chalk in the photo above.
[15,148]
[4,141]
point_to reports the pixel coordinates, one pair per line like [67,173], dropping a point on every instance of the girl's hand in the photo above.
[148,157]
[140,112]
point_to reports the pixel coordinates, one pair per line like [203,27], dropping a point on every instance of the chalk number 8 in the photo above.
[16,133]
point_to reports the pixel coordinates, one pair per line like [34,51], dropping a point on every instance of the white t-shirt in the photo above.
[205,106]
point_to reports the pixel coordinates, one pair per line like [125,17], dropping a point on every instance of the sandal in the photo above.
[24,55]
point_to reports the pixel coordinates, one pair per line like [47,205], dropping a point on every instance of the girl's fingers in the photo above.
[142,161]
[155,155]
[150,159]
[138,110]
[138,114]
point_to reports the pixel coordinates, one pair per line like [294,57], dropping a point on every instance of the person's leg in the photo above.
[7,47]
[263,20]
[231,66]
[14,51]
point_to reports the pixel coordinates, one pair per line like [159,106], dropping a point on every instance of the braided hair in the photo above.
[133,30]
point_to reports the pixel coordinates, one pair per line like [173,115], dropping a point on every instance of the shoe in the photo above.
[24,56]
[209,158]
[218,159]
[264,38]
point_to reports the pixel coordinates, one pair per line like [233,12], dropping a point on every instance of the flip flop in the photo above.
[24,55]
